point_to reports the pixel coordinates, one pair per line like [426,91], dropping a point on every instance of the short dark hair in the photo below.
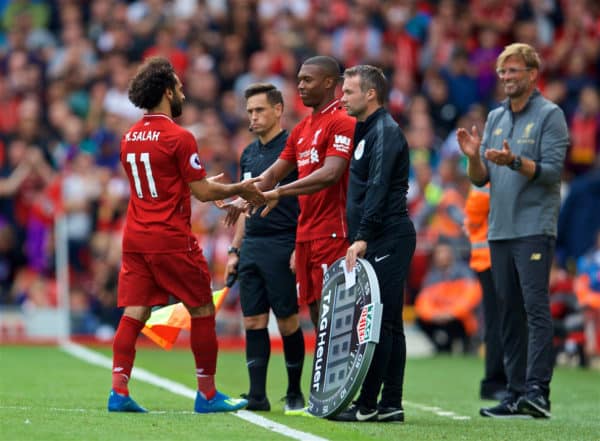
[152,79]
[273,94]
[370,77]
[329,65]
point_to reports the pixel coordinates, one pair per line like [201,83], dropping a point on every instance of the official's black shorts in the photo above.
[265,278]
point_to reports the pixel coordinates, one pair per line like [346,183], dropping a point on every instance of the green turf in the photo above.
[46,394]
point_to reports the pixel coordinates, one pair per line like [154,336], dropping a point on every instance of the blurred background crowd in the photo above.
[64,72]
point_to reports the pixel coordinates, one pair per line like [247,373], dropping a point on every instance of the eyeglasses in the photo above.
[511,71]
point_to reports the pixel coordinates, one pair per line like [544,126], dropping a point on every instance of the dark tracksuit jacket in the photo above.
[377,213]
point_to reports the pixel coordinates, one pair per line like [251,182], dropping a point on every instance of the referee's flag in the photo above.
[165,323]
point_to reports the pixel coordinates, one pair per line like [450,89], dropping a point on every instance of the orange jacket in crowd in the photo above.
[586,296]
[457,298]
[442,224]
[477,208]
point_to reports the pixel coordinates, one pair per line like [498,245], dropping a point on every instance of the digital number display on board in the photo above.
[349,325]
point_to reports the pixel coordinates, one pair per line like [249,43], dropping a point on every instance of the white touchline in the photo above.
[436,410]
[140,374]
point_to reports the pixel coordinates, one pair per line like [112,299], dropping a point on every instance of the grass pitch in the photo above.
[46,394]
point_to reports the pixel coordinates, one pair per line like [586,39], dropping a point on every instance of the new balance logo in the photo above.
[536,256]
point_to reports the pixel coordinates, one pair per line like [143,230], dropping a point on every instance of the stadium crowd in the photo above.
[64,72]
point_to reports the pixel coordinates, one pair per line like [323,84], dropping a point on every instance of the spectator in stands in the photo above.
[445,306]
[259,71]
[587,288]
[483,61]
[567,318]
[357,40]
[579,218]
[477,207]
[166,47]
[588,271]
[493,14]
[442,36]
[443,112]
[443,213]
[584,151]
[461,82]
[11,259]
[10,183]
[74,58]
[116,100]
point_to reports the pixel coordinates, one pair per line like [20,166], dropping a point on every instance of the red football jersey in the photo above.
[327,133]
[161,159]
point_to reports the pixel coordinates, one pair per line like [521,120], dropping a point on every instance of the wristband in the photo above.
[233,250]
[538,170]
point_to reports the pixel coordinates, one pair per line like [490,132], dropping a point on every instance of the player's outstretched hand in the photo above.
[251,193]
[271,201]
[234,209]
[469,142]
[217,178]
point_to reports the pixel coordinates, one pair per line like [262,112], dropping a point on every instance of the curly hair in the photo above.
[150,82]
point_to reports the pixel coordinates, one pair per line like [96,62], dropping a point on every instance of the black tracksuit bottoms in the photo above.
[391,264]
[521,273]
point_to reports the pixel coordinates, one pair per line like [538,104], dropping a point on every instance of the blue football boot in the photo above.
[123,403]
[219,403]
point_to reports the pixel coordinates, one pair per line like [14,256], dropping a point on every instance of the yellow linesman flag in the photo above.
[165,324]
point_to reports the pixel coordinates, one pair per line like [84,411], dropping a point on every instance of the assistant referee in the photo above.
[260,252]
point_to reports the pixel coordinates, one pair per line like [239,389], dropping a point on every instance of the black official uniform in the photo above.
[264,274]
[377,213]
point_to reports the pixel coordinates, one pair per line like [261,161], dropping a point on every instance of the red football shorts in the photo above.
[312,260]
[149,279]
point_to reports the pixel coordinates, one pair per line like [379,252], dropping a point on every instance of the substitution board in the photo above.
[349,326]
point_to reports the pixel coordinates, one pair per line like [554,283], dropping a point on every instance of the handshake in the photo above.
[250,199]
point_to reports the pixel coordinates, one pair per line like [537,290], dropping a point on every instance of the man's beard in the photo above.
[176,107]
[518,90]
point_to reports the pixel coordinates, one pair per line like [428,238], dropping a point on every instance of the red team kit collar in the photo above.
[158,115]
[330,106]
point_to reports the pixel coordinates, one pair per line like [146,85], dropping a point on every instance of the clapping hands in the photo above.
[469,142]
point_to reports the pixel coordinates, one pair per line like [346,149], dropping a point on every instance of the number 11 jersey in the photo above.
[160,159]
